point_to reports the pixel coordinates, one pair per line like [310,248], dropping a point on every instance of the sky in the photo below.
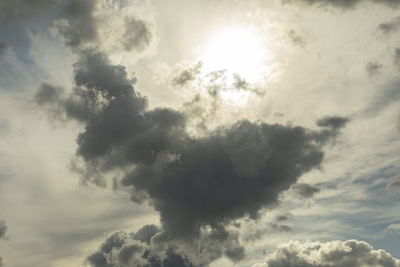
[188,133]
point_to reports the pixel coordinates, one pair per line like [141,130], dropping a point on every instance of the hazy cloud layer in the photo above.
[344,3]
[394,184]
[350,253]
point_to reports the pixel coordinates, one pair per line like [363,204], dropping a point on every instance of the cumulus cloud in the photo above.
[193,183]
[344,3]
[123,249]
[304,190]
[78,24]
[351,253]
[3,228]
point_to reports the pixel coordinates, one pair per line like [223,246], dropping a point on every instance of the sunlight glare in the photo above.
[237,50]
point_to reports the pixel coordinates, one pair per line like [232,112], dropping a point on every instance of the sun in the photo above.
[238,50]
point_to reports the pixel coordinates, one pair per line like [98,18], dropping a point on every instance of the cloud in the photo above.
[187,75]
[373,68]
[3,48]
[304,190]
[233,172]
[284,217]
[390,27]
[345,4]
[123,249]
[394,227]
[138,34]
[1,262]
[3,229]
[13,9]
[351,253]
[78,24]
[394,184]
[296,39]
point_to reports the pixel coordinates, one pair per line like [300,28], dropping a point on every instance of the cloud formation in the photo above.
[351,253]
[394,184]
[390,27]
[147,248]
[304,190]
[3,229]
[344,3]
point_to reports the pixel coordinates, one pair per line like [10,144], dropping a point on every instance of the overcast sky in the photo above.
[177,133]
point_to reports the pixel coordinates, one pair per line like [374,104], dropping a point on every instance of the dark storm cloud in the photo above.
[304,190]
[391,26]
[231,173]
[345,4]
[373,68]
[138,34]
[79,25]
[187,75]
[394,184]
[351,253]
[3,228]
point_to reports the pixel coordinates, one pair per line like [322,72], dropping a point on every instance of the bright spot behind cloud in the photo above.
[237,50]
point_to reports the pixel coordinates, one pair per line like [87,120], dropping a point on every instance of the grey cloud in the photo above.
[78,25]
[3,48]
[351,253]
[373,68]
[3,229]
[394,184]
[1,262]
[394,227]
[296,39]
[333,122]
[284,217]
[12,9]
[187,75]
[304,190]
[386,96]
[123,249]
[391,26]
[233,172]
[396,57]
[345,4]
[138,34]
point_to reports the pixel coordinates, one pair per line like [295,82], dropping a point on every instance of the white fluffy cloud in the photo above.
[351,253]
